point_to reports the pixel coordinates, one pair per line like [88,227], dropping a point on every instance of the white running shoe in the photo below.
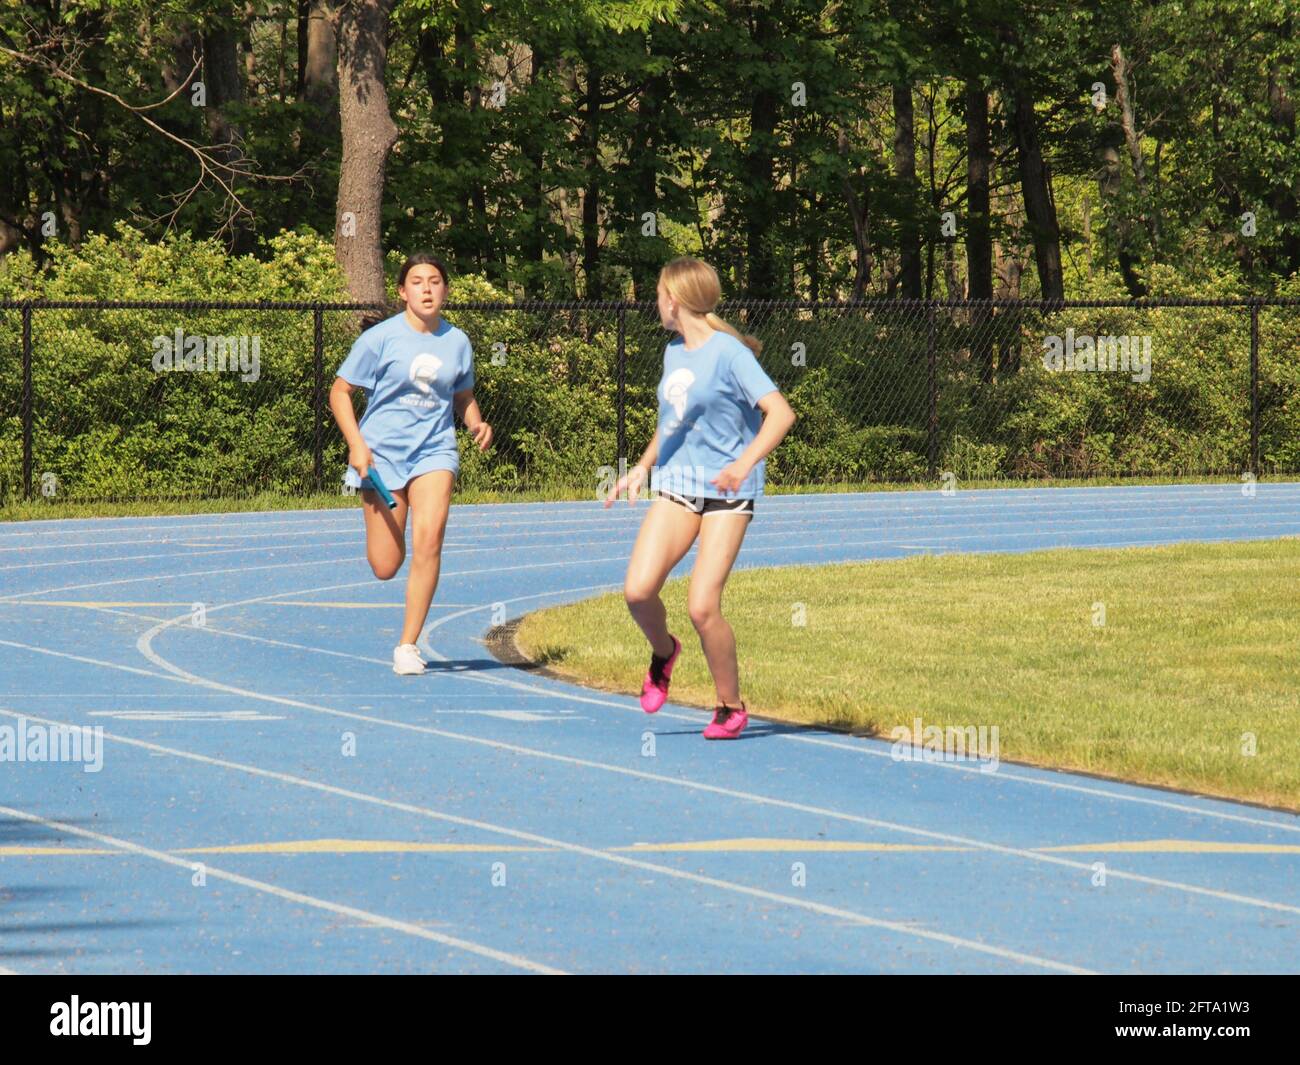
[407,660]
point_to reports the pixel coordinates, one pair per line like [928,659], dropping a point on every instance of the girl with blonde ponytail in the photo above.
[720,415]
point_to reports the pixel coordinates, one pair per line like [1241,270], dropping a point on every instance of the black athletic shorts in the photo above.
[704,505]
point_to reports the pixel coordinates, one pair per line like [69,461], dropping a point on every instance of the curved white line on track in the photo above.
[573,848]
[863,749]
[143,644]
[607,702]
[521,685]
[855,748]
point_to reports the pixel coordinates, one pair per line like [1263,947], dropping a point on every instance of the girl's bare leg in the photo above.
[430,497]
[666,535]
[385,532]
[721,535]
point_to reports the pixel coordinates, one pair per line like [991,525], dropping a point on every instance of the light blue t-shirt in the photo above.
[410,378]
[708,415]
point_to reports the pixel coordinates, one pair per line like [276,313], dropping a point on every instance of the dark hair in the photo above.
[422,258]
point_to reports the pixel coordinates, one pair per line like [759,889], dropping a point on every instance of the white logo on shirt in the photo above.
[676,385]
[424,368]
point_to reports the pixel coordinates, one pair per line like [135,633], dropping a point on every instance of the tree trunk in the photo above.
[1109,182]
[859,213]
[304,21]
[644,160]
[1119,69]
[909,238]
[979,239]
[1284,197]
[318,72]
[250,51]
[591,191]
[178,59]
[533,240]
[1009,268]
[1036,190]
[759,167]
[368,136]
[814,253]
[223,86]
[319,67]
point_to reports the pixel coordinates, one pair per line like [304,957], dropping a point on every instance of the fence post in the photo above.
[1254,389]
[318,386]
[621,400]
[27,400]
[932,358]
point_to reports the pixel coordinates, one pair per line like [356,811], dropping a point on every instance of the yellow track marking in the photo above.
[41,852]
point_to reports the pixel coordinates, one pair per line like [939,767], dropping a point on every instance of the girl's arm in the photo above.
[635,478]
[467,409]
[777,420]
[346,418]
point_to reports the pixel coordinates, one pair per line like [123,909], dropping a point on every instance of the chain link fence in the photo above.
[139,400]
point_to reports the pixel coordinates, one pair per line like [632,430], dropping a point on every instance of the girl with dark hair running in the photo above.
[418,373]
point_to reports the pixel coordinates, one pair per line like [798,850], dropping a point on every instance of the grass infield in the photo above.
[1166,666]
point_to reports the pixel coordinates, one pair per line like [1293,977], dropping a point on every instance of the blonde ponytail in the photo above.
[753,343]
[695,285]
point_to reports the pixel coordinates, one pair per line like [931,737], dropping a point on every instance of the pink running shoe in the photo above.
[727,724]
[654,691]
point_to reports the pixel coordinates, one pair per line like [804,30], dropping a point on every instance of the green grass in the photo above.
[15,509]
[1200,646]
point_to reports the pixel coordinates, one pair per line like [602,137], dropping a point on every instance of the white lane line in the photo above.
[145,648]
[369,918]
[1028,494]
[250,551]
[874,504]
[865,748]
[939,539]
[595,700]
[88,661]
[1002,774]
[344,560]
[559,844]
[902,519]
[928,518]
[173,539]
[1203,536]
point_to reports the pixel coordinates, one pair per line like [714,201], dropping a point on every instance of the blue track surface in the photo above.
[479,819]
